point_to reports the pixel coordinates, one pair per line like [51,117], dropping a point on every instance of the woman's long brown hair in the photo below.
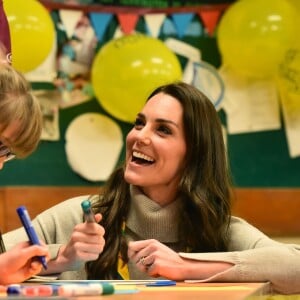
[205,187]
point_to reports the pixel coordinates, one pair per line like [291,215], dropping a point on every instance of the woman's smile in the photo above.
[141,158]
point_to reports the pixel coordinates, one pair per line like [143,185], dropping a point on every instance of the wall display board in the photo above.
[259,159]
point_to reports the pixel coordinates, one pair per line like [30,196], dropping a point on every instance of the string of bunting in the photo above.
[128,17]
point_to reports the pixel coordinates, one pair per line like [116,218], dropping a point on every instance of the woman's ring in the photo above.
[142,261]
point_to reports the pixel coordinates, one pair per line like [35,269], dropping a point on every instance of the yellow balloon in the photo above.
[32,33]
[127,69]
[289,72]
[296,5]
[253,35]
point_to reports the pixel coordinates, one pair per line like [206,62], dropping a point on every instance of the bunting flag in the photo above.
[119,33]
[100,22]
[154,23]
[181,22]
[210,19]
[195,29]
[127,22]
[164,23]
[70,19]
[168,27]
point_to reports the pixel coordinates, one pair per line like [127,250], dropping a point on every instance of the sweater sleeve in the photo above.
[256,258]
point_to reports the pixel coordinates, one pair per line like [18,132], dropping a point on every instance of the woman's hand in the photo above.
[20,262]
[156,259]
[86,243]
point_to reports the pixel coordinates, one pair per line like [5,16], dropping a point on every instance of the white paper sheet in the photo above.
[250,104]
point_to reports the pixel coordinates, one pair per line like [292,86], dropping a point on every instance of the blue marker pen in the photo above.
[33,238]
[87,211]
[162,283]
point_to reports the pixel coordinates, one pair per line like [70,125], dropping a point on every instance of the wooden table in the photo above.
[189,291]
[193,291]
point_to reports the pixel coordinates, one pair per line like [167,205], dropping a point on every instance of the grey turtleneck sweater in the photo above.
[255,256]
[148,220]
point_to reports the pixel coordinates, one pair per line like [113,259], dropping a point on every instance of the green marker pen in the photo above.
[87,211]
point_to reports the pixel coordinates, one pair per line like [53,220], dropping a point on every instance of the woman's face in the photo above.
[155,147]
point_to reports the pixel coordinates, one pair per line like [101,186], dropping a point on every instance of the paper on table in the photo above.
[54,280]
[45,278]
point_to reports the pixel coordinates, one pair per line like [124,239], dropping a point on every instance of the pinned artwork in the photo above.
[207,79]
[93,146]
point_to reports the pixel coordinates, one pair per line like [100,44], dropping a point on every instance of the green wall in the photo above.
[256,159]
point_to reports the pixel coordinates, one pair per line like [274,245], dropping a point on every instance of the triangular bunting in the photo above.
[181,22]
[127,22]
[195,29]
[210,19]
[100,22]
[118,33]
[154,23]
[168,27]
[70,19]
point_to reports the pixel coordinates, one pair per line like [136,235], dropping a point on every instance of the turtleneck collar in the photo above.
[149,220]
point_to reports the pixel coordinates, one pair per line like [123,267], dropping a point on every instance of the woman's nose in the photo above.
[144,136]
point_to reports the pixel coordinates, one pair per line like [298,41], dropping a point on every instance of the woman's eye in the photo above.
[138,123]
[164,130]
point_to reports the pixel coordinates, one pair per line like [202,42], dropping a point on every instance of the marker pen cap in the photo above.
[86,206]
[87,211]
[107,288]
[14,289]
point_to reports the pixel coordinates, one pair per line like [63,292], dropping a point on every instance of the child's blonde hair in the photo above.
[17,103]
